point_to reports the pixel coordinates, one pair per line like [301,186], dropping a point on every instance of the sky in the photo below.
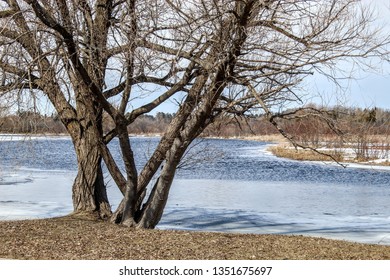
[374,89]
[369,89]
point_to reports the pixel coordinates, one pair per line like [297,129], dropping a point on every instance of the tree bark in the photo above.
[154,207]
[89,191]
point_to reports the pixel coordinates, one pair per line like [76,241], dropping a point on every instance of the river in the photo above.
[223,185]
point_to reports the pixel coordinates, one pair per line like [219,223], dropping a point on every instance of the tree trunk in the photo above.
[89,191]
[154,207]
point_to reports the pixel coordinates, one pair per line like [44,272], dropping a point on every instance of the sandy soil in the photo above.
[86,238]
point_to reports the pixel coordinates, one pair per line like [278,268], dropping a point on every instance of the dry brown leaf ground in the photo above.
[86,238]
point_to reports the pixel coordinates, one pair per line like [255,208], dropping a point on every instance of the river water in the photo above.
[223,185]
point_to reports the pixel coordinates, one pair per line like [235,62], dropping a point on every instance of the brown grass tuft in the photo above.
[300,154]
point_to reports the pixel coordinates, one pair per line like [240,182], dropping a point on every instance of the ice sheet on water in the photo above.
[34,194]
[359,229]
[257,151]
[14,179]
[21,137]
[360,166]
[20,210]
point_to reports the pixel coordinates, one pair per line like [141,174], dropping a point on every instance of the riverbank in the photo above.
[282,206]
[70,238]
[349,154]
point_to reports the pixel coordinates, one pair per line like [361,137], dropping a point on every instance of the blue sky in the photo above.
[373,89]
[365,91]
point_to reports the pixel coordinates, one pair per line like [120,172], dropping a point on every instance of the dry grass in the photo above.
[309,155]
[300,154]
[84,238]
[275,138]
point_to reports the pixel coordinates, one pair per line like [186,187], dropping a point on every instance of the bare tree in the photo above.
[217,57]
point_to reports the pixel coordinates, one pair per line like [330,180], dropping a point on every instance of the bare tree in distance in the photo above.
[214,57]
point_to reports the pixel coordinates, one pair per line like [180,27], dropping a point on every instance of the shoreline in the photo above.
[197,215]
[33,225]
[72,238]
[184,218]
[288,152]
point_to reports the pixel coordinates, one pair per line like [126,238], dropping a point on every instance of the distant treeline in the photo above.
[27,122]
[309,122]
